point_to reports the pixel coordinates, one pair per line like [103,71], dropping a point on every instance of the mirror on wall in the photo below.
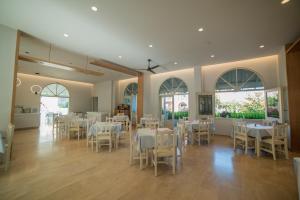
[205,104]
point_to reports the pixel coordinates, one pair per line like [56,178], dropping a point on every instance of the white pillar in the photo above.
[8,39]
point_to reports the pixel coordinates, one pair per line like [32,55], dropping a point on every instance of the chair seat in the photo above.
[164,152]
[240,137]
[269,141]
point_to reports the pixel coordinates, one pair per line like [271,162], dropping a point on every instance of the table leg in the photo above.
[257,145]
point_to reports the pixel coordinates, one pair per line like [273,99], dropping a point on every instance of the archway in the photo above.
[55,99]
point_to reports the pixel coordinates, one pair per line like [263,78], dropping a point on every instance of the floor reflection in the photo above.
[223,162]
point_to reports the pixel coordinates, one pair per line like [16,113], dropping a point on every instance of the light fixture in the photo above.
[120,57]
[284,1]
[66,35]
[36,89]
[94,8]
[261,46]
[150,45]
[200,29]
[175,63]
[19,82]
[212,56]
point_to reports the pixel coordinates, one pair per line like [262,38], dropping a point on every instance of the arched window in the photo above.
[131,89]
[173,86]
[240,94]
[174,100]
[55,90]
[239,80]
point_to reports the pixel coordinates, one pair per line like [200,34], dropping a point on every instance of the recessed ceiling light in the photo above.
[150,45]
[200,29]
[120,57]
[261,46]
[212,56]
[284,1]
[94,8]
[66,35]
[175,63]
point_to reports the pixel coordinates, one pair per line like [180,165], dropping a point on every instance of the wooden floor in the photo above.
[43,168]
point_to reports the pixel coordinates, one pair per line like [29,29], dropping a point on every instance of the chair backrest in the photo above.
[110,119]
[180,130]
[185,118]
[268,123]
[9,140]
[151,124]
[165,139]
[280,131]
[203,126]
[241,129]
[147,115]
[104,129]
[73,123]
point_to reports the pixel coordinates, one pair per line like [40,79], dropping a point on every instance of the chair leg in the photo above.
[141,160]
[246,147]
[234,143]
[273,151]
[147,160]
[174,164]
[286,149]
[110,144]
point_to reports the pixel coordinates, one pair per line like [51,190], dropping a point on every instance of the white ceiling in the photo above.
[33,68]
[233,29]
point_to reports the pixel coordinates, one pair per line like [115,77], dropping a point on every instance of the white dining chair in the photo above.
[278,142]
[135,152]
[164,149]
[241,137]
[202,132]
[8,145]
[104,136]
[151,124]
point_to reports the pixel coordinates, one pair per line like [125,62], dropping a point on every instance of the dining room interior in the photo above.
[149,99]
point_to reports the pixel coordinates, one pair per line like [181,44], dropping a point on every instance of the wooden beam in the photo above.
[293,74]
[13,101]
[115,67]
[58,65]
[140,97]
[291,46]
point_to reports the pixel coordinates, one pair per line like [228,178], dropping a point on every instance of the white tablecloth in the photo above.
[1,143]
[259,131]
[116,128]
[121,118]
[144,119]
[146,137]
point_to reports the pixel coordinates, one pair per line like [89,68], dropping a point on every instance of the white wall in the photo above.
[266,67]
[7,59]
[105,91]
[80,93]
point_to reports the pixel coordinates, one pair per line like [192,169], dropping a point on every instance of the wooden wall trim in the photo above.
[48,63]
[293,74]
[115,67]
[13,101]
[292,46]
[140,97]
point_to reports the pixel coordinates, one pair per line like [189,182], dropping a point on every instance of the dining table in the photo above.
[116,128]
[145,137]
[2,149]
[259,131]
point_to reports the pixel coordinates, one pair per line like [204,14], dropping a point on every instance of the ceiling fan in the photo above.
[150,69]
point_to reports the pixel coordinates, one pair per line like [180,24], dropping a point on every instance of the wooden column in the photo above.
[140,96]
[293,74]
[13,101]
